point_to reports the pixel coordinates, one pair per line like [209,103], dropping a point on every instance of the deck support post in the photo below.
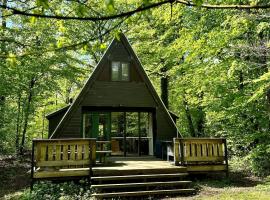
[176,151]
[32,167]
[226,157]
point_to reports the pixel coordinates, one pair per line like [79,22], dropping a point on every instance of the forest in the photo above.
[208,60]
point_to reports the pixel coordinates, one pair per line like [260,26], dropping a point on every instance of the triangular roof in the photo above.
[122,38]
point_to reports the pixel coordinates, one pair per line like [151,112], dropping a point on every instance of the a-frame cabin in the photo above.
[117,103]
[119,108]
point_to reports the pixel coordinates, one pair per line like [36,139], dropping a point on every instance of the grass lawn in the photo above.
[15,182]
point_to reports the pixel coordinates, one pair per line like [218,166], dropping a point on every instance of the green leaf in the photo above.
[43,3]
[103,46]
[110,5]
[33,20]
[198,2]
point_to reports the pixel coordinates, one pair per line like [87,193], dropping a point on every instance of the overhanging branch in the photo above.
[210,6]
[16,11]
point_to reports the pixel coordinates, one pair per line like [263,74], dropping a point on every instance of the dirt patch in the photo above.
[14,174]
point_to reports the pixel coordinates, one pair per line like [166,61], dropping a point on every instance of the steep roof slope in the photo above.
[97,70]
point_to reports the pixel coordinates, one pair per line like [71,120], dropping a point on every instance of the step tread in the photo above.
[143,193]
[119,185]
[138,176]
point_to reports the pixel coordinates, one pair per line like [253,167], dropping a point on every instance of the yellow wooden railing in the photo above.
[62,157]
[201,154]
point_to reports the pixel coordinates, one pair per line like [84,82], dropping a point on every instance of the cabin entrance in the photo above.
[130,133]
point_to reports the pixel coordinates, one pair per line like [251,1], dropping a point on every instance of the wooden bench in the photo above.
[54,158]
[201,154]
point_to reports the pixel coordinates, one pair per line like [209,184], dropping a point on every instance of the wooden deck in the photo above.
[135,165]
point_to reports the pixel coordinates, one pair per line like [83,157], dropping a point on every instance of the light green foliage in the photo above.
[216,61]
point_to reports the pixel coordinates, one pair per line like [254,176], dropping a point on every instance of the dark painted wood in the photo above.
[100,92]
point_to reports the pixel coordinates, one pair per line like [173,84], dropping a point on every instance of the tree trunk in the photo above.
[200,122]
[189,118]
[17,139]
[27,113]
[3,49]
[164,84]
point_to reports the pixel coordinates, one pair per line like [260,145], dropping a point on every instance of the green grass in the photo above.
[235,188]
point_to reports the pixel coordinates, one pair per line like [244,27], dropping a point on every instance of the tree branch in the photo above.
[68,47]
[16,11]
[211,6]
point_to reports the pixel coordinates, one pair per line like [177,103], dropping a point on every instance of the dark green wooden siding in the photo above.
[100,91]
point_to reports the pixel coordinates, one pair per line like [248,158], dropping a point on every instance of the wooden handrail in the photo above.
[188,150]
[63,152]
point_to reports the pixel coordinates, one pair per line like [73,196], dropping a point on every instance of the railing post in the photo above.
[32,165]
[90,158]
[181,150]
[176,151]
[226,157]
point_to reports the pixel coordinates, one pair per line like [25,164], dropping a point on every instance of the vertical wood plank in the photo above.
[187,149]
[210,149]
[176,151]
[193,152]
[199,151]
[93,151]
[65,152]
[43,149]
[215,152]
[38,150]
[220,150]
[50,152]
[79,152]
[86,152]
[57,152]
[72,152]
[204,153]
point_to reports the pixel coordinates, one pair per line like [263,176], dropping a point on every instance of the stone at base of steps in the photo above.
[144,193]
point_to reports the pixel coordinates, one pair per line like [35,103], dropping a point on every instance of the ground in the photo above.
[15,180]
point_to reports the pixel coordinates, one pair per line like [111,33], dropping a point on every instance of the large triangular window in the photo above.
[119,71]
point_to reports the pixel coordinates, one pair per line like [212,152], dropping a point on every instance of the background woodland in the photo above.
[210,66]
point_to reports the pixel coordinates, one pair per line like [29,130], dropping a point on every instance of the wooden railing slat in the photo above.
[43,151]
[50,152]
[72,152]
[79,152]
[200,150]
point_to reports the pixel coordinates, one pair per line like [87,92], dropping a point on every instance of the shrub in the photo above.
[62,191]
[260,160]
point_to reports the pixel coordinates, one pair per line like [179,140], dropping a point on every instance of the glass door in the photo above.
[130,133]
[97,125]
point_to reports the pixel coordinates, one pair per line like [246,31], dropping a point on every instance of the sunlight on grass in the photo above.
[259,192]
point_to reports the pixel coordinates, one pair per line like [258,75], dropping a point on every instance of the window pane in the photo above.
[115,71]
[87,125]
[125,72]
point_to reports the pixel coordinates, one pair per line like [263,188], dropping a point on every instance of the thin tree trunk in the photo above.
[200,122]
[189,117]
[17,139]
[164,84]
[3,49]
[27,113]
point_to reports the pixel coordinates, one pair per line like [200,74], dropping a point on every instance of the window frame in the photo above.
[120,71]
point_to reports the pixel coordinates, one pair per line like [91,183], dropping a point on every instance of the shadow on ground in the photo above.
[235,179]
[14,174]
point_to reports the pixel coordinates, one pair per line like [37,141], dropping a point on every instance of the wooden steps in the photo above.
[140,182]
[108,171]
[144,193]
[146,184]
[143,176]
